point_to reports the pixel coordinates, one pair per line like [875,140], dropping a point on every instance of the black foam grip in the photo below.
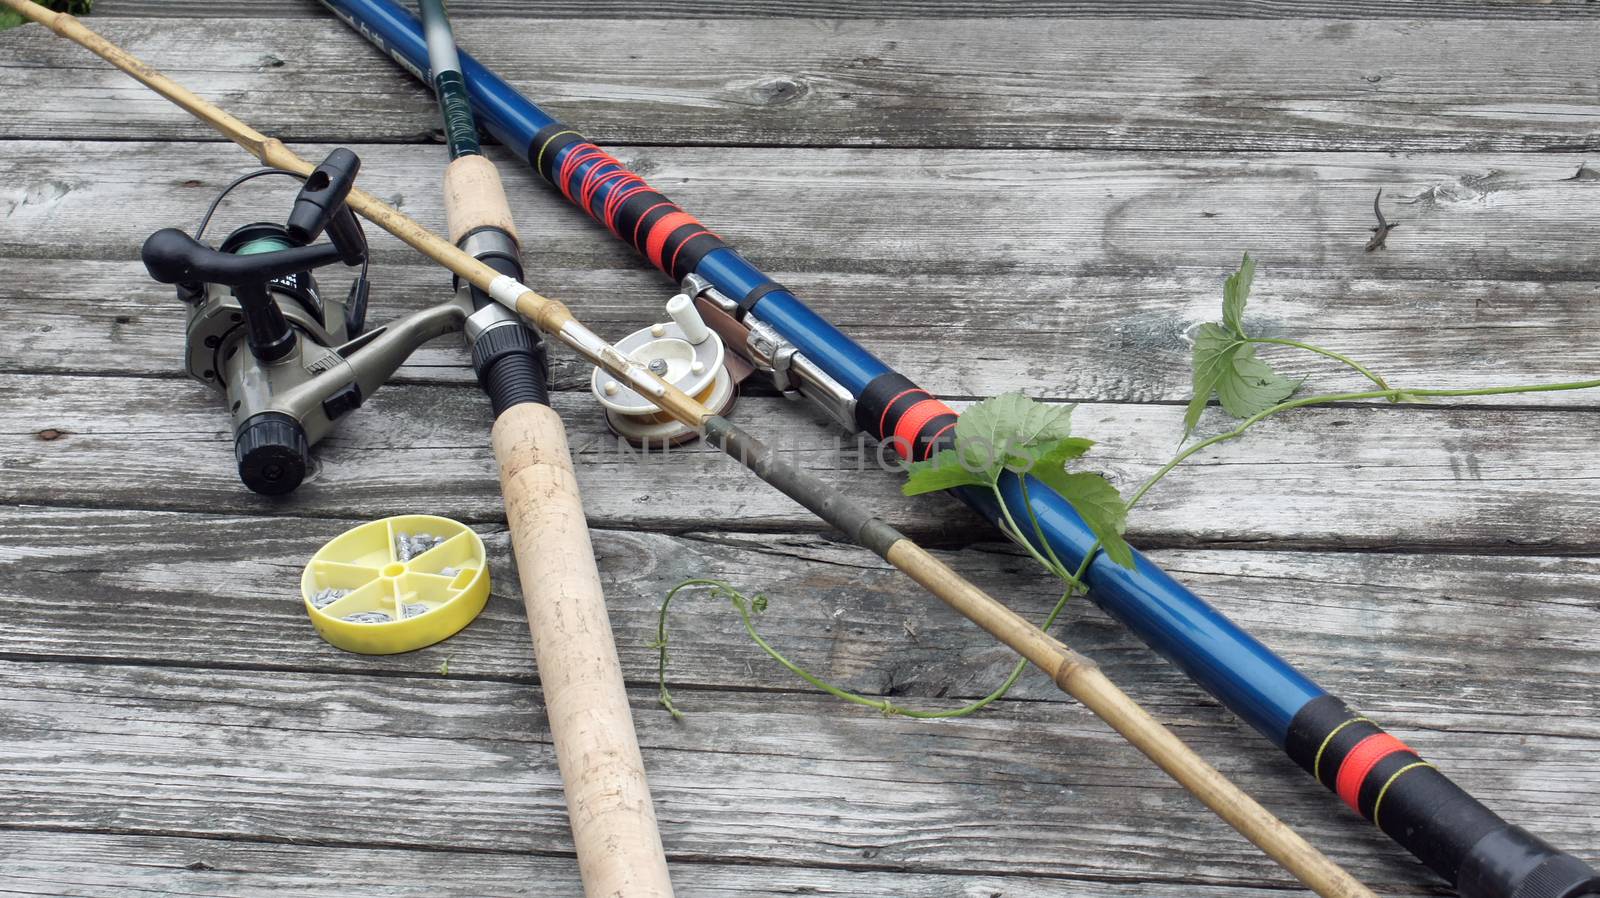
[1512,861]
[1451,832]
[686,258]
[882,406]
[631,212]
[937,432]
[675,240]
[547,144]
[641,208]
[873,403]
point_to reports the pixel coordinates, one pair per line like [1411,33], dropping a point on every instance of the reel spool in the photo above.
[683,352]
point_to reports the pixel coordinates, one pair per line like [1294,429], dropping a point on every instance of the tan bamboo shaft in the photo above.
[1081,678]
[1241,811]
[608,798]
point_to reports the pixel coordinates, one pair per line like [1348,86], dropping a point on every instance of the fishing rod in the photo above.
[609,807]
[1073,673]
[1373,772]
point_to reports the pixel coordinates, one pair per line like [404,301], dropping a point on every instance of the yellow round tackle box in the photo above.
[396,584]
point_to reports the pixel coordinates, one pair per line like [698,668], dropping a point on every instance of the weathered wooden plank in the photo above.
[84,865]
[1092,305]
[1066,83]
[777,779]
[1445,636]
[909,9]
[906,213]
[1078,337]
[1500,479]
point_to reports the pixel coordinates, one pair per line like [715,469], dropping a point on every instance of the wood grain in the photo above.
[1084,285]
[1496,217]
[91,865]
[172,725]
[1503,480]
[441,763]
[1301,84]
[1441,638]
[908,9]
[1080,337]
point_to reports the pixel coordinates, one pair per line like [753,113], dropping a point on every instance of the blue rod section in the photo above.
[844,359]
[1229,663]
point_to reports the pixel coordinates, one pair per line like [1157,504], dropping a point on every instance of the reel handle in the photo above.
[173,257]
[320,207]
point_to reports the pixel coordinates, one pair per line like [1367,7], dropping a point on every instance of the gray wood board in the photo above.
[776,779]
[93,865]
[1070,275]
[905,212]
[1507,480]
[907,9]
[167,702]
[1441,639]
[1074,83]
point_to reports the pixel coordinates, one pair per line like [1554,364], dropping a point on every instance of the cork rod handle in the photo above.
[474,198]
[608,798]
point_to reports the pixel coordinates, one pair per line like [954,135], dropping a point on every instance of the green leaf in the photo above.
[1214,343]
[1244,383]
[942,472]
[1057,454]
[1098,503]
[11,18]
[1226,365]
[1207,371]
[993,432]
[1235,293]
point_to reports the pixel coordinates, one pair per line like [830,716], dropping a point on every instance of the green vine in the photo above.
[10,18]
[1012,434]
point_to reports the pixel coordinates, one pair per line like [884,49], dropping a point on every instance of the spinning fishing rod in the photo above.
[1376,774]
[292,362]
[1073,673]
[602,771]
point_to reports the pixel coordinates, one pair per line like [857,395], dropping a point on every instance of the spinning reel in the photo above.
[288,361]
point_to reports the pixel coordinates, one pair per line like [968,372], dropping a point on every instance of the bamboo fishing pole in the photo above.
[609,809]
[1074,673]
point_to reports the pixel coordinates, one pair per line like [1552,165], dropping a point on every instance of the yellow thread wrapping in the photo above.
[538,161]
[1378,802]
[1316,765]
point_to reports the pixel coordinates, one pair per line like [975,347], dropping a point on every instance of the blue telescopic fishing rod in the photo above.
[1373,772]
